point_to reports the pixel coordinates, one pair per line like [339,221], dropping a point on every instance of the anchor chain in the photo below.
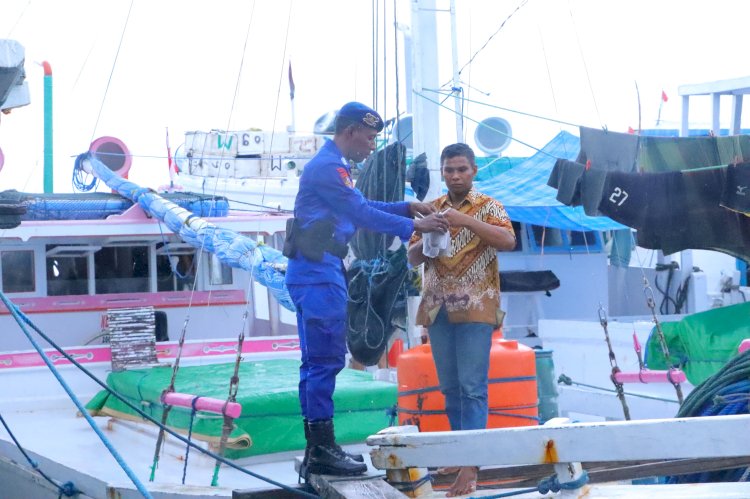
[613,362]
[650,303]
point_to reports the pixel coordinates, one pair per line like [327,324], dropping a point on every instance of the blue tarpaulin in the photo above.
[527,198]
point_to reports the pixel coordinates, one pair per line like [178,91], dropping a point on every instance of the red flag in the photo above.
[630,130]
[664,97]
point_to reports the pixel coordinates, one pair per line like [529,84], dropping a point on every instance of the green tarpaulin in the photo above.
[271,420]
[701,343]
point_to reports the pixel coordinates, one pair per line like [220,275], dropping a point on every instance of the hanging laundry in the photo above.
[736,192]
[609,150]
[675,211]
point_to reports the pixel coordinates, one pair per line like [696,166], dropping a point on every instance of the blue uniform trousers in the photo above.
[321,324]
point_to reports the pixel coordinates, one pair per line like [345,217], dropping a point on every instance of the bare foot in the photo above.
[466,482]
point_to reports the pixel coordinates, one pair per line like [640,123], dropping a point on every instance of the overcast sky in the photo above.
[188,65]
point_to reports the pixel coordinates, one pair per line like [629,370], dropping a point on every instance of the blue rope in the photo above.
[78,176]
[546,485]
[189,437]
[67,489]
[19,314]
[392,413]
[15,312]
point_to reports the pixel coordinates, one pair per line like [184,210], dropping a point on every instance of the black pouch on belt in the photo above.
[290,245]
[318,238]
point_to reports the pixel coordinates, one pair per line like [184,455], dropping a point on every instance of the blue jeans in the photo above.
[462,357]
[321,324]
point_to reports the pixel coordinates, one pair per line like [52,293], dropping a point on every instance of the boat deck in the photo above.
[66,448]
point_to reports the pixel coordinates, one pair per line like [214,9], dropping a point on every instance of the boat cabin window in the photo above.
[121,269]
[518,229]
[17,269]
[218,273]
[546,237]
[175,272]
[551,239]
[67,271]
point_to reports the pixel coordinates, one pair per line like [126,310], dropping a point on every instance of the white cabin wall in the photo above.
[583,286]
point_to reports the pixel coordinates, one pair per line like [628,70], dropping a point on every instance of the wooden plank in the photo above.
[330,487]
[275,493]
[717,436]
[599,472]
[675,467]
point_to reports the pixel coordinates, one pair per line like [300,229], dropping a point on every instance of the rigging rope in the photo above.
[67,489]
[546,485]
[567,380]
[193,412]
[20,317]
[234,383]
[613,362]
[660,336]
[471,59]
[420,94]
[585,68]
[112,71]
[494,106]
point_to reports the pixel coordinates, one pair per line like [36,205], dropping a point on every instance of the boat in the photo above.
[256,170]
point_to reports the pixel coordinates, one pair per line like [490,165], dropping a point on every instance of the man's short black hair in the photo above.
[459,149]
[342,123]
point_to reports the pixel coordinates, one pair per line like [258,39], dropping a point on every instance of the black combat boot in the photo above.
[357,457]
[325,457]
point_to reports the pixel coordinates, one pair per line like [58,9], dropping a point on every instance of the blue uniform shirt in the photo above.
[326,190]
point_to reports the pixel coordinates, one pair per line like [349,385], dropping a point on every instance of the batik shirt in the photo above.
[466,279]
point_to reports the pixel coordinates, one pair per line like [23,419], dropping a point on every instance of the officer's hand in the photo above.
[424,209]
[431,223]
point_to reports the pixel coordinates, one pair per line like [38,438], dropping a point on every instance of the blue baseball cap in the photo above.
[359,113]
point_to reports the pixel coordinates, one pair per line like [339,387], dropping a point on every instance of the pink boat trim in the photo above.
[166,350]
[88,303]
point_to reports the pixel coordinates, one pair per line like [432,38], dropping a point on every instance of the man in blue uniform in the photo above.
[328,209]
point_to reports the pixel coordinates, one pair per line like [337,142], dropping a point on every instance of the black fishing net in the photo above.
[378,276]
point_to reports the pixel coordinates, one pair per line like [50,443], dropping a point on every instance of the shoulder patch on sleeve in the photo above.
[345,177]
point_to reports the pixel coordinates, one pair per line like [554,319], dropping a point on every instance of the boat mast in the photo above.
[426,129]
[457,93]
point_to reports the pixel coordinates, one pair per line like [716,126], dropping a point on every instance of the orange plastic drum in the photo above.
[512,390]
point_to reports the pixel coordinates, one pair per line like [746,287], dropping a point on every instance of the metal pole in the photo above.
[48,170]
[457,92]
